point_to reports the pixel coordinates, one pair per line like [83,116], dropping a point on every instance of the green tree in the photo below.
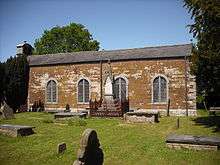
[2,81]
[71,38]
[16,80]
[206,50]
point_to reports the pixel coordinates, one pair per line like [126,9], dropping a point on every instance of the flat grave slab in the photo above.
[16,130]
[55,111]
[193,142]
[213,110]
[69,114]
[142,117]
[140,113]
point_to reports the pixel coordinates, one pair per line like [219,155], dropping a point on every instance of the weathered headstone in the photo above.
[7,112]
[61,148]
[89,152]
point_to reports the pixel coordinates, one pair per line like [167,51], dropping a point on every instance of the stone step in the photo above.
[113,105]
[107,105]
[109,109]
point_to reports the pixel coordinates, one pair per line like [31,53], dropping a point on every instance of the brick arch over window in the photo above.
[83,90]
[121,88]
[160,89]
[51,91]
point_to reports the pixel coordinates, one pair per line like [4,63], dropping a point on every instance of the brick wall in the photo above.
[138,73]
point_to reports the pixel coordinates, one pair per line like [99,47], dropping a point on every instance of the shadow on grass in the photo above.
[209,121]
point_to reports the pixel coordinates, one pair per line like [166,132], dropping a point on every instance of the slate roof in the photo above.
[173,51]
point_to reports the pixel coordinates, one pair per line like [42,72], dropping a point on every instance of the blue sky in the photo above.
[116,24]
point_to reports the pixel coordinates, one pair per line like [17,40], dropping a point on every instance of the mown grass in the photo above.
[124,144]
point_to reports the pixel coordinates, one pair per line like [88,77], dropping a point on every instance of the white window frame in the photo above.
[51,79]
[152,89]
[81,78]
[126,81]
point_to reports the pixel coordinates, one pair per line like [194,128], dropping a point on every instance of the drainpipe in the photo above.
[186,89]
[101,80]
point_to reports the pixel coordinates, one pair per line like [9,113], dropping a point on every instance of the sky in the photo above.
[116,24]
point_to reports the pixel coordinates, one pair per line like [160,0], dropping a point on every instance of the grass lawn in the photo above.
[122,144]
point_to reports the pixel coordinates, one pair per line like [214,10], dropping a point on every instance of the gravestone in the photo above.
[109,103]
[108,84]
[89,152]
[61,148]
[7,112]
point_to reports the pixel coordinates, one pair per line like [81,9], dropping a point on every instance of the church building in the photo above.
[151,78]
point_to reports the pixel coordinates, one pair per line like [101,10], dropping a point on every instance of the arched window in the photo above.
[159,89]
[51,95]
[120,89]
[83,91]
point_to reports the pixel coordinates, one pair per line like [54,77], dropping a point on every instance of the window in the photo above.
[83,91]
[51,91]
[159,89]
[120,89]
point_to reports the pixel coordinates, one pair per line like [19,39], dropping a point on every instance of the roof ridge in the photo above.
[168,51]
[93,51]
[159,46]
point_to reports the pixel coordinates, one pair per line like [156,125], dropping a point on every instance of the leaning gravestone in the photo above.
[89,152]
[61,148]
[7,112]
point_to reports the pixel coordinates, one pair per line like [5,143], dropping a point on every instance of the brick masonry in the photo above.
[139,74]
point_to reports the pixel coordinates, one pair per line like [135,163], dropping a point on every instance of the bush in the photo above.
[76,122]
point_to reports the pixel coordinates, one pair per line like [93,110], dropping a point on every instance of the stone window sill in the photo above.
[83,103]
[158,103]
[51,103]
